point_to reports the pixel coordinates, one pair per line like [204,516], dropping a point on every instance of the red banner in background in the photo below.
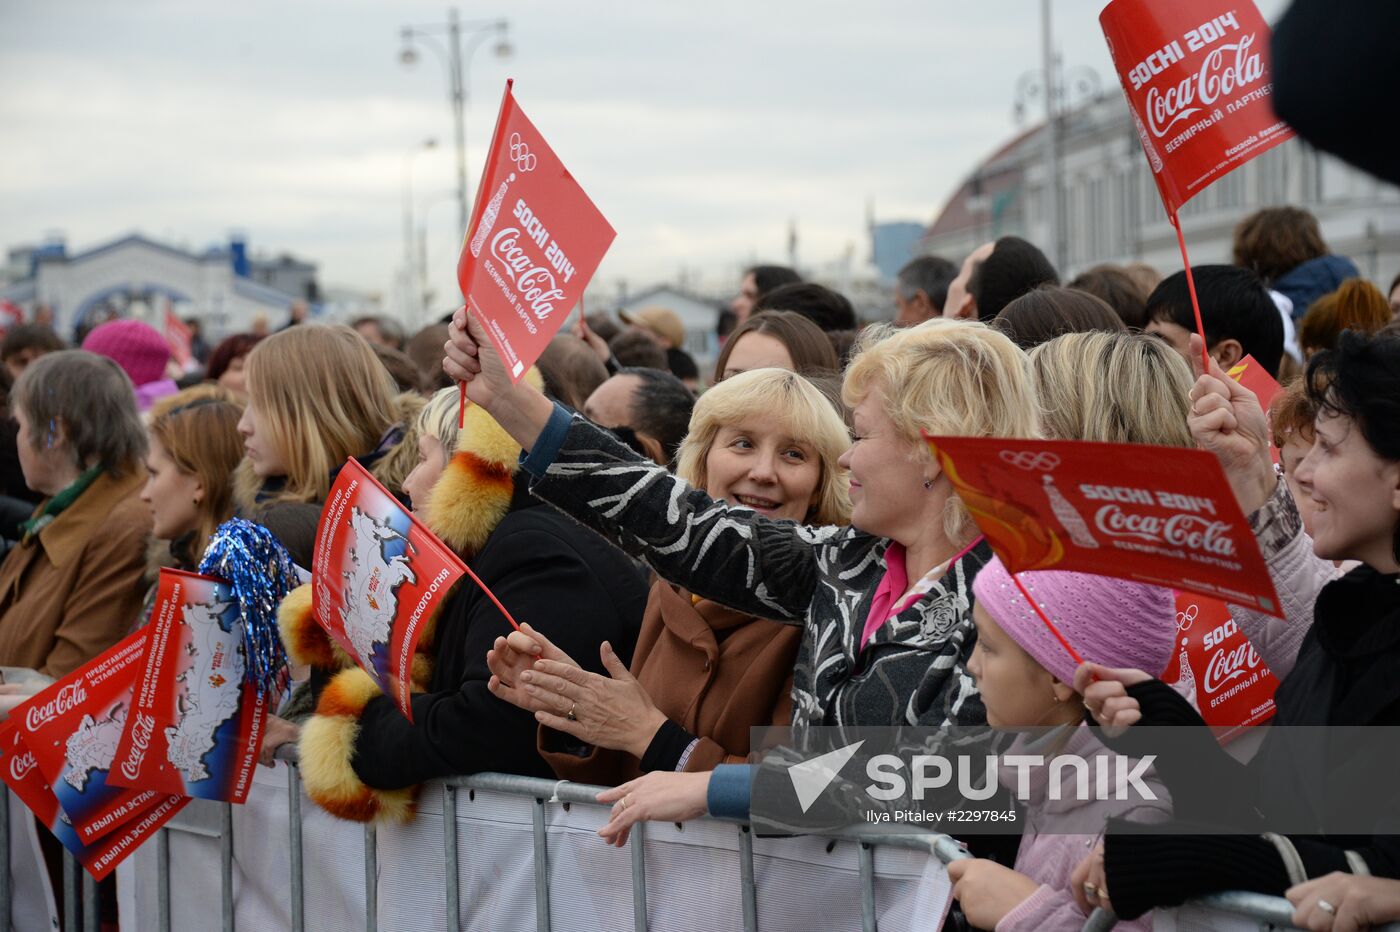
[1232,685]
[378,575]
[1159,515]
[1196,75]
[534,241]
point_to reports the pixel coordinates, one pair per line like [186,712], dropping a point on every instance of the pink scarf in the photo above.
[896,584]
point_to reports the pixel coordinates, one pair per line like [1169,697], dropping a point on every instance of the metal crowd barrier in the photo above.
[81,906]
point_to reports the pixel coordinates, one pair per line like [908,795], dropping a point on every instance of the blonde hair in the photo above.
[957,378]
[394,468]
[323,396]
[439,418]
[198,429]
[1113,388]
[805,413]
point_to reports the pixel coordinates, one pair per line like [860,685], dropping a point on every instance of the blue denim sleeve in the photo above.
[546,448]
[728,794]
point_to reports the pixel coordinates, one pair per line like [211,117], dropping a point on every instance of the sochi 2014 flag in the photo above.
[534,241]
[20,771]
[378,576]
[197,718]
[1164,516]
[1233,686]
[73,727]
[1196,75]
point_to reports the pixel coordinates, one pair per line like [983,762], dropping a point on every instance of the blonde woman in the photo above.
[1113,388]
[884,604]
[703,675]
[316,395]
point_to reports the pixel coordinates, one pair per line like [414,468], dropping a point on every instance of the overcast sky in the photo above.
[700,130]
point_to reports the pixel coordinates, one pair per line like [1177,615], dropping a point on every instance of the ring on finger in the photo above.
[570,714]
[1091,891]
[1327,907]
[624,802]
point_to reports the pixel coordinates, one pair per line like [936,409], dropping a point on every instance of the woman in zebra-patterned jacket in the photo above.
[887,602]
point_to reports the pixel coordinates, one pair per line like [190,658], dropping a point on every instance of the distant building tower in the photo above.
[893,243]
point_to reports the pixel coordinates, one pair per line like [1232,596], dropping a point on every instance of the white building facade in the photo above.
[137,276]
[1110,210]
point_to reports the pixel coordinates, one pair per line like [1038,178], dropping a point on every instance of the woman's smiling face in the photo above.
[758,464]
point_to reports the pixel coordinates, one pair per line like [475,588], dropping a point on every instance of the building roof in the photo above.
[995,179]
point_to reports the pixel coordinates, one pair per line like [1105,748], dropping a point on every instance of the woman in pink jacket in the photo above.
[1026,680]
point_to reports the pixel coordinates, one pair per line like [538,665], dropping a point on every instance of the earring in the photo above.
[928,483]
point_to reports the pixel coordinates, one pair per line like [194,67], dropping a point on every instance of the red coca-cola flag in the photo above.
[197,718]
[1196,75]
[534,241]
[1158,515]
[378,574]
[1213,659]
[73,727]
[20,771]
[1253,376]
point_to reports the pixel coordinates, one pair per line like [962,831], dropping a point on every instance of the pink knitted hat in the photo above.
[1108,621]
[135,346]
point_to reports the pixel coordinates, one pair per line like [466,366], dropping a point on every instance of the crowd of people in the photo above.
[694,554]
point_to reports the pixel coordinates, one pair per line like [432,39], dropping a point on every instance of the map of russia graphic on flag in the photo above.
[20,771]
[197,720]
[378,577]
[73,728]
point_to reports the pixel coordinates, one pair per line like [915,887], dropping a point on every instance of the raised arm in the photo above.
[725,553]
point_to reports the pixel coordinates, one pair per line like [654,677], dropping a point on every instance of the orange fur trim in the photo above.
[327,746]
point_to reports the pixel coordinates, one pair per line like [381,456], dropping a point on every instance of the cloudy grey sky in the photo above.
[700,130]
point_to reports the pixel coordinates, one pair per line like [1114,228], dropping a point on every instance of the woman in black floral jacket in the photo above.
[887,602]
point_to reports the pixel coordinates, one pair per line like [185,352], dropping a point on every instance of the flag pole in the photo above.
[1191,288]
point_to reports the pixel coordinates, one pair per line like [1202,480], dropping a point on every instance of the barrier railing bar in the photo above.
[747,890]
[294,846]
[541,840]
[163,880]
[91,906]
[371,878]
[1100,920]
[639,877]
[5,858]
[70,892]
[867,887]
[1273,910]
[449,845]
[226,858]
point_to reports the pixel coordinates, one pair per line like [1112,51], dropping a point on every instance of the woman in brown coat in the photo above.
[72,585]
[702,674]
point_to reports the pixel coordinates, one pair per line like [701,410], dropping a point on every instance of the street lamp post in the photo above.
[411,310]
[457,62]
[1054,87]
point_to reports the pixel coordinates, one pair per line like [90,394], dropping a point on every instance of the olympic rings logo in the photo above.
[1025,459]
[1184,619]
[520,154]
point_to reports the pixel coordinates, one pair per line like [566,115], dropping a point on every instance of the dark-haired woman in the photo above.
[1344,671]
[777,340]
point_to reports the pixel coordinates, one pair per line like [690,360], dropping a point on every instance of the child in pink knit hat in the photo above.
[1026,677]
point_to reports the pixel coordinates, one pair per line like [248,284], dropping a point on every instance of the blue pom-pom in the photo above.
[261,573]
